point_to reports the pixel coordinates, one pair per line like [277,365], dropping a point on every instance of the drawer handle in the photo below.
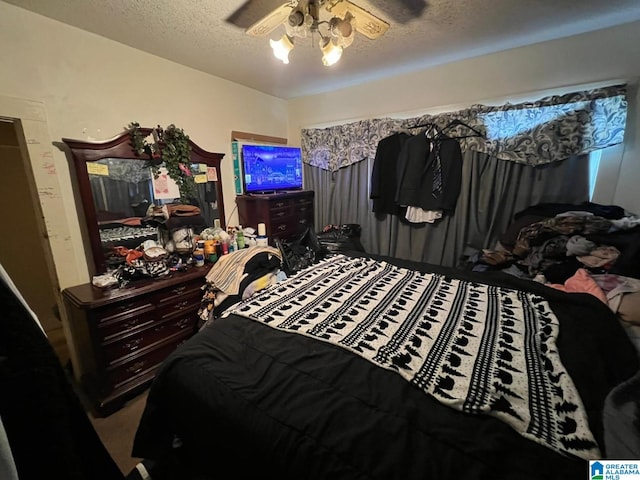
[302,220]
[280,214]
[182,323]
[159,328]
[282,227]
[280,204]
[128,325]
[136,367]
[181,305]
[179,290]
[125,307]
[133,345]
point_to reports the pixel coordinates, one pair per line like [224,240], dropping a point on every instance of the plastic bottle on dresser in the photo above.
[198,257]
[240,237]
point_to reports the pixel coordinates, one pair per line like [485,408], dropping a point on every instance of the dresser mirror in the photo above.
[116,186]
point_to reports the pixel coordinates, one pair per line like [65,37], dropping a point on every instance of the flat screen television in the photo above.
[271,168]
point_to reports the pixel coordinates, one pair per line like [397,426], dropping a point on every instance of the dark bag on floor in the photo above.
[341,238]
[300,253]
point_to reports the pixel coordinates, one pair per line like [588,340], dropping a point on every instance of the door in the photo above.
[25,252]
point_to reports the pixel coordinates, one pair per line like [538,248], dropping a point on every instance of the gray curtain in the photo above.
[492,192]
[341,196]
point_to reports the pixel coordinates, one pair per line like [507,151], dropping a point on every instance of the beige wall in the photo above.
[84,86]
[514,75]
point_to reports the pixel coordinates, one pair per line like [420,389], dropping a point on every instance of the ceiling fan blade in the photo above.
[252,11]
[270,22]
[401,11]
[366,22]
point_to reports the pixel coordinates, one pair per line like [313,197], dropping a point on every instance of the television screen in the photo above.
[271,168]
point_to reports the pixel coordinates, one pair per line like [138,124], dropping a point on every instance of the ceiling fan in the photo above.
[306,13]
[302,18]
[253,11]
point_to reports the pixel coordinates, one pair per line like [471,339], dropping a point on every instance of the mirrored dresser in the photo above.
[120,336]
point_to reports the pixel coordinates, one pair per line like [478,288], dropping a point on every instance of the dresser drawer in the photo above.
[110,314]
[276,204]
[278,214]
[173,295]
[126,323]
[149,313]
[284,229]
[144,363]
[304,209]
[297,201]
[179,305]
[116,349]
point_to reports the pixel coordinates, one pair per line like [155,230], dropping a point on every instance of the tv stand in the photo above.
[285,214]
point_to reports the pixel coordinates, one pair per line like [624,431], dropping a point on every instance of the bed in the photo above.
[364,367]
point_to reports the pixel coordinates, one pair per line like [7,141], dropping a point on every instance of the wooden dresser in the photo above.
[285,215]
[122,335]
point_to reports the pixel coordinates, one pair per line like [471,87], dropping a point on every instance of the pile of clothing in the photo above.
[585,248]
[237,276]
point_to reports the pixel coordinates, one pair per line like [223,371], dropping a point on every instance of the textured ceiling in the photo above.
[195,33]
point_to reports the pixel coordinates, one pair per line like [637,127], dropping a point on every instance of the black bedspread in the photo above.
[245,400]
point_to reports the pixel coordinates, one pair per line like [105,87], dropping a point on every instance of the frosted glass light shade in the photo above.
[281,48]
[331,53]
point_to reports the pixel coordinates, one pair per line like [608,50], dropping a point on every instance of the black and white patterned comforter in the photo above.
[475,347]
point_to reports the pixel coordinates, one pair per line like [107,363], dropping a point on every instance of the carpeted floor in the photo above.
[118,430]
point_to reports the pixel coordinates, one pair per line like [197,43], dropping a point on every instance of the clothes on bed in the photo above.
[601,239]
[581,282]
[616,288]
[537,233]
[474,347]
[235,276]
[229,271]
[610,212]
[578,245]
[258,284]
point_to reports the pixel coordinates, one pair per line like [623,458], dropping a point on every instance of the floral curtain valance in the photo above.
[551,129]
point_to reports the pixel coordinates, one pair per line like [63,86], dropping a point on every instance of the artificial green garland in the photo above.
[171,146]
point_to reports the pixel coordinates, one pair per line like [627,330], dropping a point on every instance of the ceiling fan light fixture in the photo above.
[296,19]
[343,30]
[340,27]
[282,47]
[302,19]
[331,52]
